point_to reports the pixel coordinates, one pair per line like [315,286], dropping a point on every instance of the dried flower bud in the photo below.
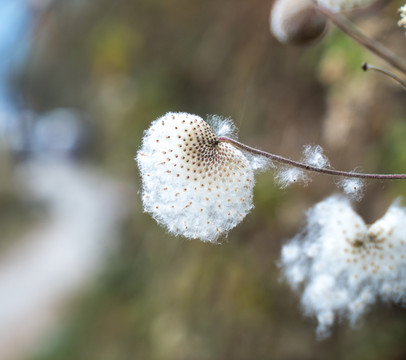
[193,184]
[297,22]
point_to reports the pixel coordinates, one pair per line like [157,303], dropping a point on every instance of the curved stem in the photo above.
[280,159]
[365,66]
[373,46]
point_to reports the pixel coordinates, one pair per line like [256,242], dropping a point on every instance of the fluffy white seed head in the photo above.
[193,185]
[297,22]
[314,155]
[344,265]
[344,5]
[287,176]
[354,188]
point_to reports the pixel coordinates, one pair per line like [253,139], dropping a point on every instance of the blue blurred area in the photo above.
[16,24]
[59,131]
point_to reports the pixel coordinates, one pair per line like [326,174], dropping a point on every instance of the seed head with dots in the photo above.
[344,265]
[193,184]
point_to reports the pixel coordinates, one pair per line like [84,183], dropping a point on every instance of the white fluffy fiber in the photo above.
[222,126]
[314,156]
[193,185]
[286,176]
[342,265]
[353,187]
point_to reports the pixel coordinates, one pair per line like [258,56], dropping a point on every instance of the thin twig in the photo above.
[367,10]
[373,46]
[365,66]
[332,172]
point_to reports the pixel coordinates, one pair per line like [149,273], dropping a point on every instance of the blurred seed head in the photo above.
[343,265]
[297,22]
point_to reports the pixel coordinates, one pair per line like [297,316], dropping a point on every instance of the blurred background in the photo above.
[84,273]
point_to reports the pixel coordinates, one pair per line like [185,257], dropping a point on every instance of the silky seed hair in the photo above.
[286,176]
[193,184]
[354,188]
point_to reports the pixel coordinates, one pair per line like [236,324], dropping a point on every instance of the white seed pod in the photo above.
[344,5]
[297,22]
[193,185]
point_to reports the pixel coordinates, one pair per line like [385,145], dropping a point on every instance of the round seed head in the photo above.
[193,184]
[297,22]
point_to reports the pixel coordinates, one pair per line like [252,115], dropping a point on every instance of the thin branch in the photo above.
[373,46]
[365,66]
[332,172]
[367,10]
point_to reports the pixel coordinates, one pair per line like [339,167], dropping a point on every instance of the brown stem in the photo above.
[280,159]
[373,46]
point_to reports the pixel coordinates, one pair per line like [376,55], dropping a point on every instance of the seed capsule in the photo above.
[297,22]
